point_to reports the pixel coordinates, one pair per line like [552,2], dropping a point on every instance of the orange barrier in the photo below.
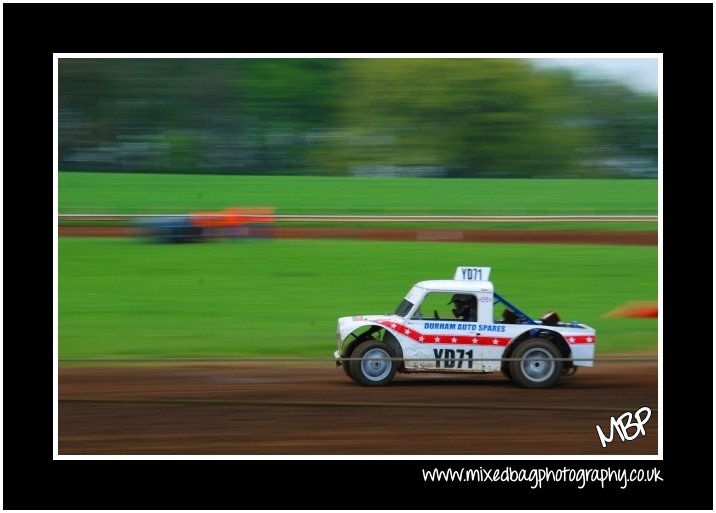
[636,310]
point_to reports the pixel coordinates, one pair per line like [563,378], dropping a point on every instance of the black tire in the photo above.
[534,372]
[371,366]
[506,370]
[347,368]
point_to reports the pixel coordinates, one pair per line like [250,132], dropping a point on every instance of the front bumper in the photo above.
[337,356]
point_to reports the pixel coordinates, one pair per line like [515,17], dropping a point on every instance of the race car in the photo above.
[449,326]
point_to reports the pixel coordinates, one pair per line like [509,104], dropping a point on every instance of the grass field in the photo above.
[153,193]
[124,298]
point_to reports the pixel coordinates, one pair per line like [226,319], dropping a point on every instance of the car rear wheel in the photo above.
[373,366]
[536,369]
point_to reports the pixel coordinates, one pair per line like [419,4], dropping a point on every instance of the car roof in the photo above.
[457,285]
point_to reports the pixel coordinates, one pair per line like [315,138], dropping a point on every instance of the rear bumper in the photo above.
[337,356]
[583,351]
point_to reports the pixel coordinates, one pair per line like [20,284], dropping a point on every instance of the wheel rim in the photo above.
[375,364]
[534,367]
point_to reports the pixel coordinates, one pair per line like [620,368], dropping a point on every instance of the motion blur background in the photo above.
[350,136]
[418,117]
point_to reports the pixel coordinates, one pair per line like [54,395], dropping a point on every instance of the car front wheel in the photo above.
[373,366]
[347,368]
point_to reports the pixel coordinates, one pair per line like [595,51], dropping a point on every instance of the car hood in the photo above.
[347,324]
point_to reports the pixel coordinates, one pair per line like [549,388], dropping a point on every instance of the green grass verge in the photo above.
[154,193]
[125,298]
[639,226]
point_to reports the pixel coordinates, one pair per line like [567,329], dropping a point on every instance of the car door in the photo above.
[446,342]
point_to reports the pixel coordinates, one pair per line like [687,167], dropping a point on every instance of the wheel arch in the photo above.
[377,332]
[556,338]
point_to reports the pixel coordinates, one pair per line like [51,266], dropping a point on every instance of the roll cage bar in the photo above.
[499,299]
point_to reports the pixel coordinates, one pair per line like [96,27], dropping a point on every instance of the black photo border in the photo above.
[34,32]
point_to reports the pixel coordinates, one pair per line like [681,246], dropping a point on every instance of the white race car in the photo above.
[417,338]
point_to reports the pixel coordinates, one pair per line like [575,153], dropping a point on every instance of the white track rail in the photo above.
[300,218]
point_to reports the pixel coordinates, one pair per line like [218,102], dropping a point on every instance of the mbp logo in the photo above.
[624,423]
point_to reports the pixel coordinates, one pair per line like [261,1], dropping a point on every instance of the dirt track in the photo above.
[295,409]
[636,238]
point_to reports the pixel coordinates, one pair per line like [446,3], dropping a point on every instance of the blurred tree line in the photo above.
[364,117]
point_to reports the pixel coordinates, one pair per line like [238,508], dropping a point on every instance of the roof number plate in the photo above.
[472,273]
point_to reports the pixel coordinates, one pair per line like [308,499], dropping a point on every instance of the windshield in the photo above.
[403,308]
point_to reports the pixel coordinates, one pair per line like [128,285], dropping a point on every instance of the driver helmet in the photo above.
[462,305]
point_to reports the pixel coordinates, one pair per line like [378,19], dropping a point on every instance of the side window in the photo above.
[447,305]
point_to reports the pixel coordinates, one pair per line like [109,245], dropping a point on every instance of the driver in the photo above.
[465,307]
